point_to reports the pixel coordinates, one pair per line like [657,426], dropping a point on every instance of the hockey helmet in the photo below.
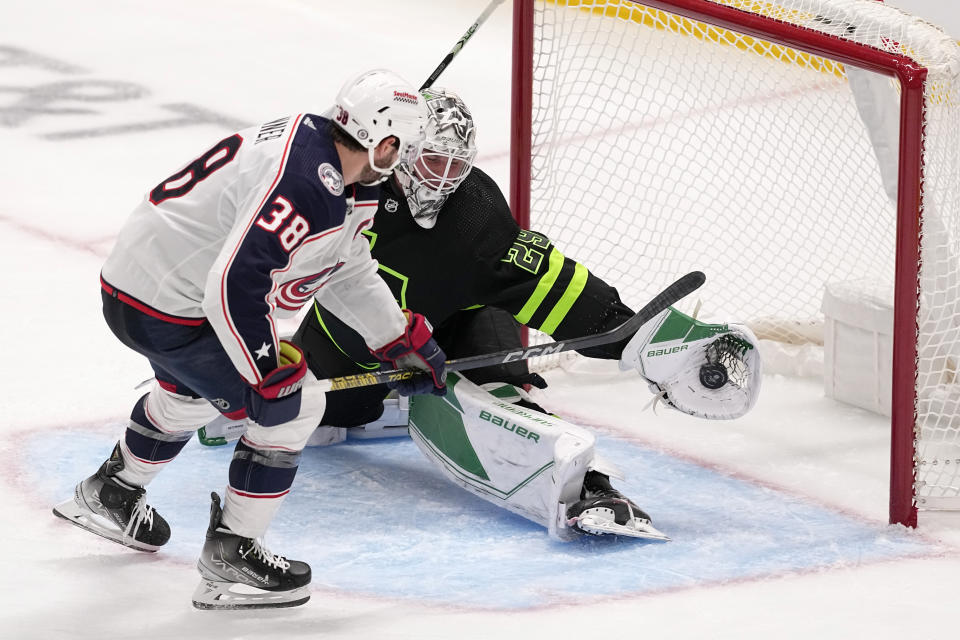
[445,160]
[377,104]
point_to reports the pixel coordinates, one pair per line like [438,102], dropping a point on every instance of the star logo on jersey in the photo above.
[263,351]
[391,205]
[331,178]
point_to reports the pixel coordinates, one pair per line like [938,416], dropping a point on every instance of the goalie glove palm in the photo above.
[706,370]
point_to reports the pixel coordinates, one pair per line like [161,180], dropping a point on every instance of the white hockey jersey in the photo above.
[251,231]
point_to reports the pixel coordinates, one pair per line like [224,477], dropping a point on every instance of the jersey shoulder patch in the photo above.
[331,178]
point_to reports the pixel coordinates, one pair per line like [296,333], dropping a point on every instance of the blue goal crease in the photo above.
[375,517]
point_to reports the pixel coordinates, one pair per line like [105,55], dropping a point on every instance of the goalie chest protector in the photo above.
[459,257]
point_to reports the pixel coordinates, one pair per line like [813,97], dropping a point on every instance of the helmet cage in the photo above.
[442,170]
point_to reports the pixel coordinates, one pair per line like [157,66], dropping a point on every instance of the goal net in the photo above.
[778,146]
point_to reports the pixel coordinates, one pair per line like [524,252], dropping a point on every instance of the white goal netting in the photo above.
[661,145]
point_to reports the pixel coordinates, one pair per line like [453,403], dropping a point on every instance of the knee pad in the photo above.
[173,413]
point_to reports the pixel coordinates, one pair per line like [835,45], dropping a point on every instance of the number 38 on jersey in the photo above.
[275,221]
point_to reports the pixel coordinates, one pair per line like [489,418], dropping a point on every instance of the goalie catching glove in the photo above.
[416,349]
[706,370]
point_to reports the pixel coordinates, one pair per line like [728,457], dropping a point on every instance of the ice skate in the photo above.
[604,510]
[239,573]
[109,507]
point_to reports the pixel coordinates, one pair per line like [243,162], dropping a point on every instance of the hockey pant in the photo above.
[195,380]
[528,462]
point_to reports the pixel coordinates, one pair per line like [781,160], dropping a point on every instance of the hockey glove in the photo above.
[416,349]
[276,399]
[706,370]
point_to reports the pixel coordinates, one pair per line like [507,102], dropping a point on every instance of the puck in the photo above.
[713,376]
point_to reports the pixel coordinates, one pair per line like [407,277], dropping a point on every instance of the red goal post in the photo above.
[551,39]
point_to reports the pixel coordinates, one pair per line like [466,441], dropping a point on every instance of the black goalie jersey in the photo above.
[474,258]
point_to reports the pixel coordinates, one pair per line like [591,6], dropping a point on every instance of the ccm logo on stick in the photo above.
[534,351]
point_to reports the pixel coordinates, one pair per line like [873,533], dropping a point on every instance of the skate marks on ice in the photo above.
[374,519]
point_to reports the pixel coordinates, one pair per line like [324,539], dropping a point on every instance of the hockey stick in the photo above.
[682,287]
[462,41]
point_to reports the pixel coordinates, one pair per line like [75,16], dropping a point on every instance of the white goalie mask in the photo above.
[377,104]
[445,160]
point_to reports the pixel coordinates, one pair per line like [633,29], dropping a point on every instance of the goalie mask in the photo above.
[706,370]
[445,160]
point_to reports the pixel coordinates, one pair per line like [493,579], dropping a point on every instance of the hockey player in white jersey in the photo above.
[247,232]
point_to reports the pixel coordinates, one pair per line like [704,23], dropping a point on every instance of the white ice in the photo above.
[71,74]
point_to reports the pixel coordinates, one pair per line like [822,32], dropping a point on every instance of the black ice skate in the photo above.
[109,507]
[604,510]
[239,573]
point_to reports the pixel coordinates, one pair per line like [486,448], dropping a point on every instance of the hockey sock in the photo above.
[146,448]
[259,480]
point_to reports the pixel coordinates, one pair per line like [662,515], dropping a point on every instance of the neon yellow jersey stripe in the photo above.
[316,311]
[543,288]
[574,289]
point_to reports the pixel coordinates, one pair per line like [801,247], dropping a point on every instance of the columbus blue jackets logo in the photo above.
[331,178]
[294,294]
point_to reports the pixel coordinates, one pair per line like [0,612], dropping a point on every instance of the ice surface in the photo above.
[778,520]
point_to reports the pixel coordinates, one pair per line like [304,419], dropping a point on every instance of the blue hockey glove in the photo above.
[416,349]
[276,399]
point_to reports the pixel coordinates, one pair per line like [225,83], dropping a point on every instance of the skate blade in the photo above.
[89,521]
[603,526]
[213,594]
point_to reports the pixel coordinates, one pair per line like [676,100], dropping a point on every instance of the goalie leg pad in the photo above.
[221,430]
[528,462]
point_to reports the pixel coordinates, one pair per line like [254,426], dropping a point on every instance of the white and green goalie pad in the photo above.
[520,459]
[706,370]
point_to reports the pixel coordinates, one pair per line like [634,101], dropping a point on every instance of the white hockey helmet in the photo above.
[446,158]
[377,104]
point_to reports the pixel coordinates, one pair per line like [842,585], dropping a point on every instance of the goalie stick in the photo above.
[462,41]
[682,287]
